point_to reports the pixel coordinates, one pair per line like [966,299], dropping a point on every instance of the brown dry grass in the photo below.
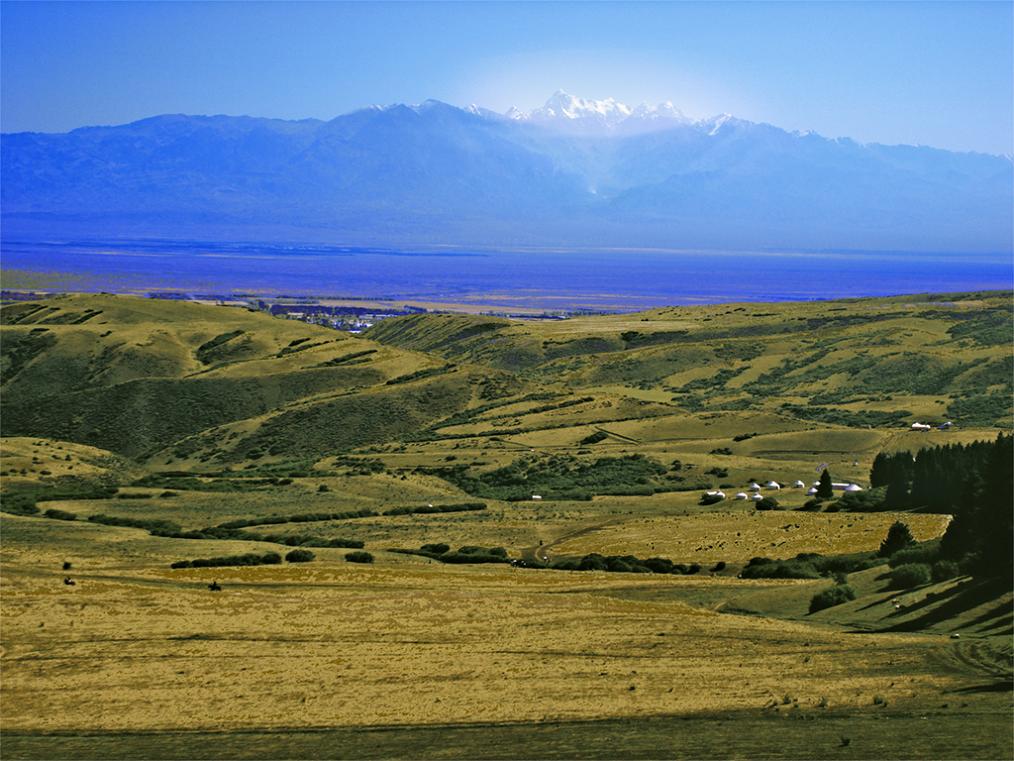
[340,645]
[739,536]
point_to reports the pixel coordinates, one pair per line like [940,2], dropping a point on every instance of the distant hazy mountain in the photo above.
[573,173]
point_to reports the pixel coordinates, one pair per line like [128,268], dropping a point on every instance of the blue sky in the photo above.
[925,73]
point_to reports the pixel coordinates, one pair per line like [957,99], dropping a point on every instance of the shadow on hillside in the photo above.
[951,604]
[1005,685]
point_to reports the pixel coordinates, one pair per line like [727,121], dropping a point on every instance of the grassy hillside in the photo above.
[857,362]
[136,376]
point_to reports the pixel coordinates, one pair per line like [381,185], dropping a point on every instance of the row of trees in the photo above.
[974,482]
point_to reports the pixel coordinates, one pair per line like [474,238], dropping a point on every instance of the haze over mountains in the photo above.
[574,173]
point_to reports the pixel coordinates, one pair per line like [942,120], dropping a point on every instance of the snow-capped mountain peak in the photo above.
[563,105]
[568,112]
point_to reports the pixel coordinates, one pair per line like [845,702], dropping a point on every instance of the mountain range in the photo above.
[573,173]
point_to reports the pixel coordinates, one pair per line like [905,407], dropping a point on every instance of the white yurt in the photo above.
[811,491]
[852,488]
[772,485]
[798,485]
[741,495]
[756,497]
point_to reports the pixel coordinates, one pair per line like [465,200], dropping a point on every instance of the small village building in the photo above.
[811,491]
[756,497]
[741,495]
[754,486]
[921,427]
[852,488]
[536,496]
[772,485]
[798,484]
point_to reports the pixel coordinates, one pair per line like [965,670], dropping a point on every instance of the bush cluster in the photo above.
[808,565]
[299,556]
[60,515]
[927,552]
[273,520]
[910,575]
[462,507]
[359,557]
[251,558]
[835,595]
[623,564]
[562,477]
[469,554]
[942,570]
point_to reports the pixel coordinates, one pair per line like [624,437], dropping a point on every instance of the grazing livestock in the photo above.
[215,586]
[69,581]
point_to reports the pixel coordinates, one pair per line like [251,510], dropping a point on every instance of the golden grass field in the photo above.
[131,648]
[739,536]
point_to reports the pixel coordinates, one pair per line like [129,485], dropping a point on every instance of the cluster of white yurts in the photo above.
[756,488]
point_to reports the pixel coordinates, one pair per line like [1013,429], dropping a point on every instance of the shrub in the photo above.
[922,553]
[251,558]
[835,595]
[323,488]
[60,515]
[359,557]
[781,569]
[711,499]
[910,575]
[20,504]
[437,548]
[811,505]
[719,566]
[942,570]
[768,503]
[299,556]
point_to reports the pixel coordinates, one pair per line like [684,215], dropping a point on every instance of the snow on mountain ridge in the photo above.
[567,111]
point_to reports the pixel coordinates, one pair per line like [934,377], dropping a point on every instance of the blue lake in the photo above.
[544,280]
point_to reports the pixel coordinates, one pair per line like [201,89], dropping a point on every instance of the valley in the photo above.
[546,571]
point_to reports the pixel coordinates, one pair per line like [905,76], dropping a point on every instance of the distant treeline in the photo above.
[973,482]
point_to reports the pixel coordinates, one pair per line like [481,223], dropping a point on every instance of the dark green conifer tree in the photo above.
[824,488]
[898,538]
